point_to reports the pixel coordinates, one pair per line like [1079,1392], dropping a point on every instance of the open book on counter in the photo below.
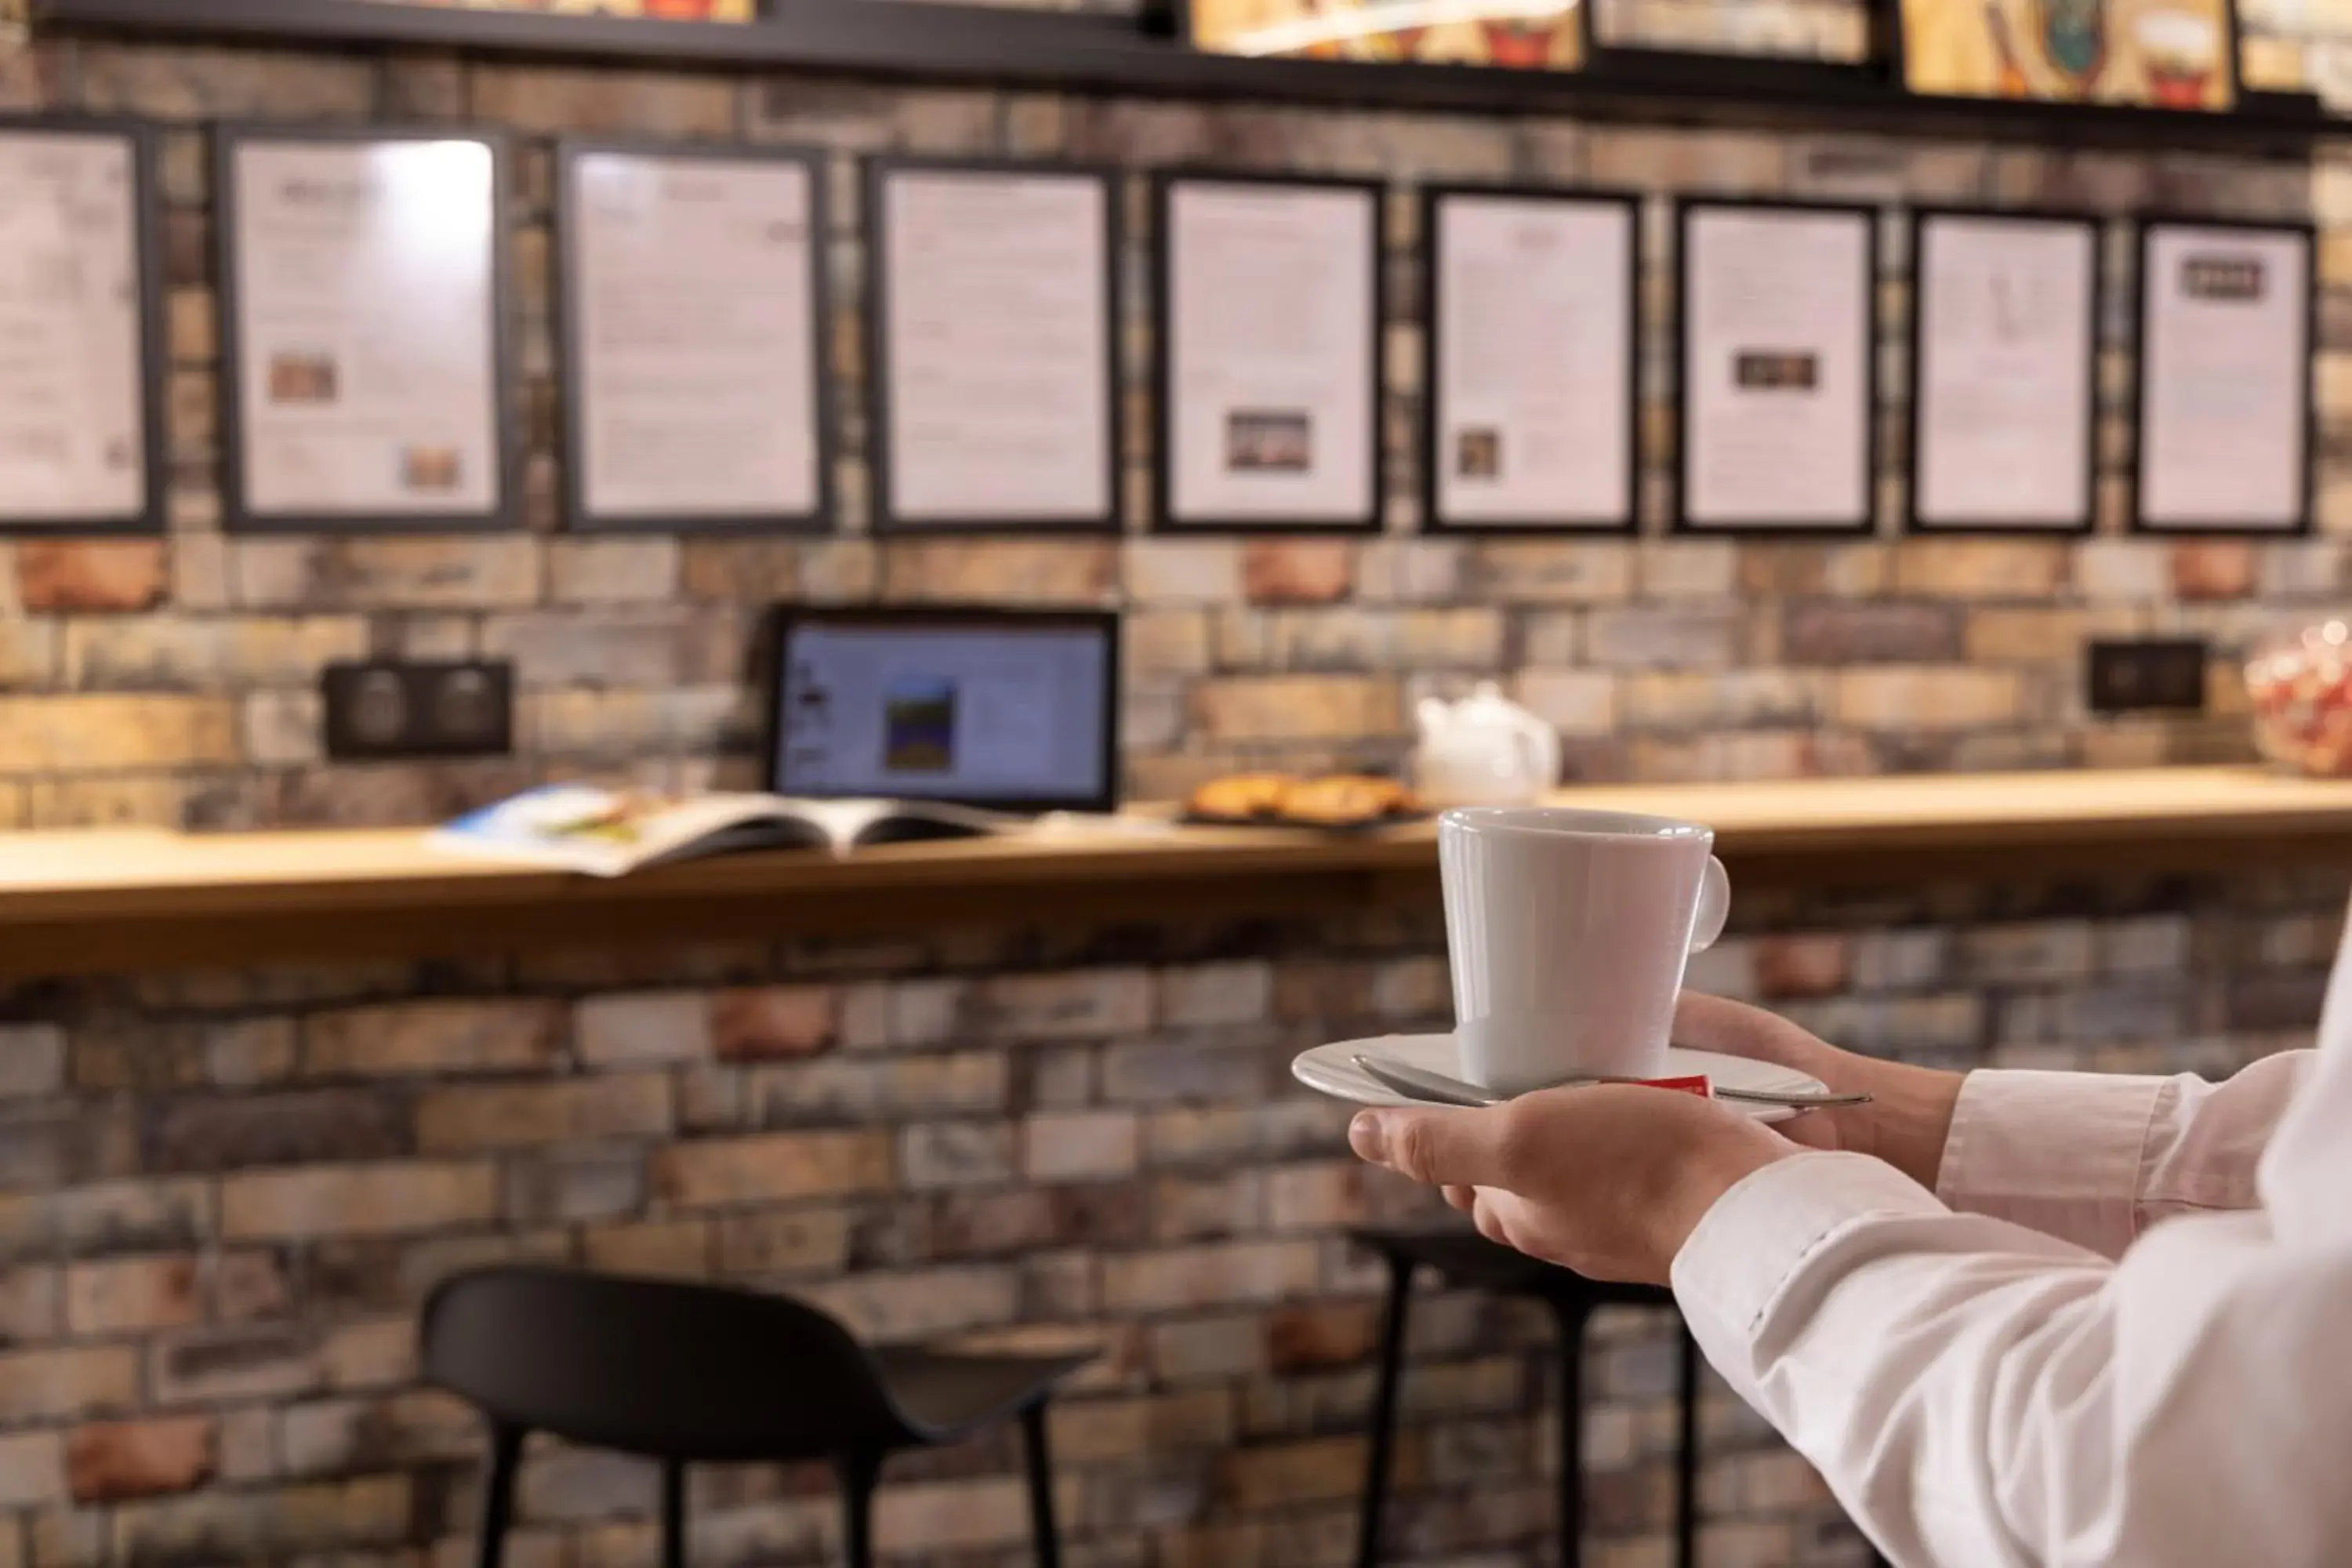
[610,833]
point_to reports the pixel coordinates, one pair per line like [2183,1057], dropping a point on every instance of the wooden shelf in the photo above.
[919,40]
[98,902]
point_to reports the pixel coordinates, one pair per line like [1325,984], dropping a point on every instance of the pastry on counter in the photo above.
[1239,797]
[1343,800]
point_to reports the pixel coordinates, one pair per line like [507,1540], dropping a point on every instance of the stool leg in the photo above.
[859,1473]
[498,1494]
[1384,1405]
[673,1543]
[1045,1538]
[1573,1317]
[1687,1459]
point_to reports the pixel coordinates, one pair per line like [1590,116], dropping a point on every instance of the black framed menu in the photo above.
[1777,396]
[694,311]
[994,359]
[81,317]
[366,355]
[1270,353]
[1530,417]
[2224,404]
[2004,355]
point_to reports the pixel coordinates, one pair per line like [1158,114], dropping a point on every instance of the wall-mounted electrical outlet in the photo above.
[2167,674]
[381,711]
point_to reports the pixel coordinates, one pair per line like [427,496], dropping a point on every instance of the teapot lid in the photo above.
[1486,702]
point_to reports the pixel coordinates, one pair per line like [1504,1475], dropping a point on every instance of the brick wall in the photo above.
[175,680]
[222,1197]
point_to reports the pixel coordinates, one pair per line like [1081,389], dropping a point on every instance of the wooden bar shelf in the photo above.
[107,902]
[919,40]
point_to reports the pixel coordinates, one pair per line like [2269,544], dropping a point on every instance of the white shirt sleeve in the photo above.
[2096,1158]
[1979,1394]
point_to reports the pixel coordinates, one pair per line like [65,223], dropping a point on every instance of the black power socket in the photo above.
[378,711]
[2164,674]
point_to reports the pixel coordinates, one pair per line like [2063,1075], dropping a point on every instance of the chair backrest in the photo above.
[652,1366]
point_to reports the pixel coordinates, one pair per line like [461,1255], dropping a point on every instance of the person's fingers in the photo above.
[1487,1215]
[1439,1148]
[1813,1129]
[1703,1023]
[1462,1198]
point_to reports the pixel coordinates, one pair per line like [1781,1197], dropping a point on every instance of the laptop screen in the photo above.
[988,709]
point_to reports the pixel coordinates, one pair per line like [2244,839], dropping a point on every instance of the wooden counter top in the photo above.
[117,900]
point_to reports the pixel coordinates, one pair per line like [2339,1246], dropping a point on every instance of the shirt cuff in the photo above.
[1745,1249]
[2057,1153]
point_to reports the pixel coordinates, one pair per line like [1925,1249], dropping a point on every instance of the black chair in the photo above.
[698,1373]
[1466,1261]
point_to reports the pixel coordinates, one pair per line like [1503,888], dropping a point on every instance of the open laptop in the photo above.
[1007,710]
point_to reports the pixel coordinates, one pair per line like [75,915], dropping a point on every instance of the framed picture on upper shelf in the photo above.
[1511,35]
[2149,54]
[81,308]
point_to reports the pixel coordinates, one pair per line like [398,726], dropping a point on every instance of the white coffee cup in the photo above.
[1568,932]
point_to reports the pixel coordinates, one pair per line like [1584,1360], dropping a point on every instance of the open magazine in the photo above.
[610,833]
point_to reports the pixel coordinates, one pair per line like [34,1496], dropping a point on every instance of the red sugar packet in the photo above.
[1697,1085]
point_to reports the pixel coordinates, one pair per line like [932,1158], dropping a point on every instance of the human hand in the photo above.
[1910,1111]
[1608,1180]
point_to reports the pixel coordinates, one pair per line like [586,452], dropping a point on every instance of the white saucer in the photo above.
[1331,1069]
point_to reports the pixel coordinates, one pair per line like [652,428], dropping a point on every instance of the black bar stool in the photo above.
[1466,1261]
[686,1373]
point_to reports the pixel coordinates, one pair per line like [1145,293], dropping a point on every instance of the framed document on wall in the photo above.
[1533,350]
[2226,330]
[82,447]
[366,352]
[2005,365]
[993,370]
[1777,399]
[1270,353]
[693,308]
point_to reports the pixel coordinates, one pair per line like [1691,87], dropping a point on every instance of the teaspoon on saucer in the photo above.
[1419,1083]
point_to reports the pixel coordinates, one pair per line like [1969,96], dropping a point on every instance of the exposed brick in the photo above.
[1325,1470]
[921,1304]
[116,1461]
[131,1295]
[247,1130]
[32,1060]
[1082,1145]
[955,1155]
[1236,992]
[1982,568]
[778,1022]
[1298,707]
[32,1470]
[426,1037]
[215,1526]
[356,1200]
[798,1241]
[87,576]
[777,1168]
[1337,1333]
[1077,1005]
[64,1385]
[1574,701]
[1209,1276]
[1184,571]
[1020,571]
[480,1118]
[644,1030]
[1818,964]
[2213,569]
[1926,699]
[1839,631]
[669,1248]
[64,734]
[1553,572]
[839,1089]
[1297,571]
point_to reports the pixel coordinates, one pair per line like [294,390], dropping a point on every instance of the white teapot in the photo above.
[1484,750]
